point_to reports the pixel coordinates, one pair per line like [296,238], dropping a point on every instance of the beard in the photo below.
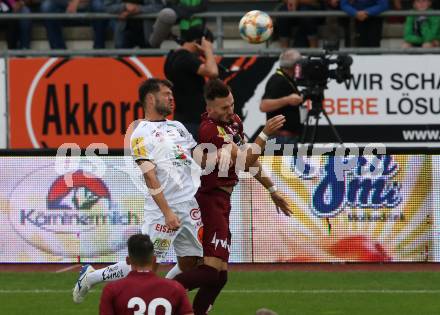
[163,109]
[228,120]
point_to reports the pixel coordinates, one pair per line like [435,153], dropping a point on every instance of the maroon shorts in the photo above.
[215,207]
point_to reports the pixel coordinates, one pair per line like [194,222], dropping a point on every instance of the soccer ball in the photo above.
[256,27]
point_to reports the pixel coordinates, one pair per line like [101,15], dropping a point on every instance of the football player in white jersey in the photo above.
[162,150]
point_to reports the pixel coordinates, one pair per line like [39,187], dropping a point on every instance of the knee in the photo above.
[211,275]
[167,16]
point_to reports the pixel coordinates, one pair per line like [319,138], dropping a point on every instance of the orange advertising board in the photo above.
[79,100]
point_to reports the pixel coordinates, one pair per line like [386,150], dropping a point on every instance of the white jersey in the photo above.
[168,145]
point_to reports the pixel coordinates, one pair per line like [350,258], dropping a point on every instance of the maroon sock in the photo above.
[203,275]
[207,295]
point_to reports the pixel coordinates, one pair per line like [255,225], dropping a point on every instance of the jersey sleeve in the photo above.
[140,148]
[106,303]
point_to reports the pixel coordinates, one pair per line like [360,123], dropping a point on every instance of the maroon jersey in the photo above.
[144,293]
[219,134]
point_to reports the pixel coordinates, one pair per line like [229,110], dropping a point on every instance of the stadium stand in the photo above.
[81,36]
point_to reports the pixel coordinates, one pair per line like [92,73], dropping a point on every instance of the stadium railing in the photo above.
[219,18]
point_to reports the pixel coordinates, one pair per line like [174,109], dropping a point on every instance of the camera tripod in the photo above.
[316,112]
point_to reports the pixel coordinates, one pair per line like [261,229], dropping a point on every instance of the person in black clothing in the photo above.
[187,68]
[282,96]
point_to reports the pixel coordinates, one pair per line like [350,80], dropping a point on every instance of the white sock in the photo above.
[110,273]
[173,272]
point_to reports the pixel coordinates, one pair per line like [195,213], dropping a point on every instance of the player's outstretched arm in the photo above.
[156,191]
[278,199]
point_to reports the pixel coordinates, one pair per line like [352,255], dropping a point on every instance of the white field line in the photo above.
[66,268]
[257,291]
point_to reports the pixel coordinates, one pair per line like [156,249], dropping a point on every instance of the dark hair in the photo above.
[216,88]
[140,249]
[195,34]
[151,86]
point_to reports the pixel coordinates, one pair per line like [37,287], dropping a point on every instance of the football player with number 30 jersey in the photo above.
[142,292]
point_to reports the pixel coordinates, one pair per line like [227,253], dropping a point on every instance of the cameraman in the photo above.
[282,96]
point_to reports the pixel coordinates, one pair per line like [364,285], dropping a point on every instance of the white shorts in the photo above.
[187,240]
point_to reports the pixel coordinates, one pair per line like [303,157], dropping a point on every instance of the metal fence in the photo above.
[219,17]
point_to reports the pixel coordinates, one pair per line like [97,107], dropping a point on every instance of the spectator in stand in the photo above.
[422,31]
[18,33]
[368,24]
[9,26]
[54,29]
[306,34]
[399,5]
[130,33]
[177,11]
[334,24]
[408,5]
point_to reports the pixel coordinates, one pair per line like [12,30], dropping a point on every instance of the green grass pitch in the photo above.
[286,292]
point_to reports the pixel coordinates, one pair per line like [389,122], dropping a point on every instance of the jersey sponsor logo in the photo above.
[161,244]
[138,147]
[112,273]
[161,247]
[72,214]
[175,132]
[181,132]
[179,152]
[222,242]
[231,135]
[180,157]
[164,229]
[195,214]
[223,134]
